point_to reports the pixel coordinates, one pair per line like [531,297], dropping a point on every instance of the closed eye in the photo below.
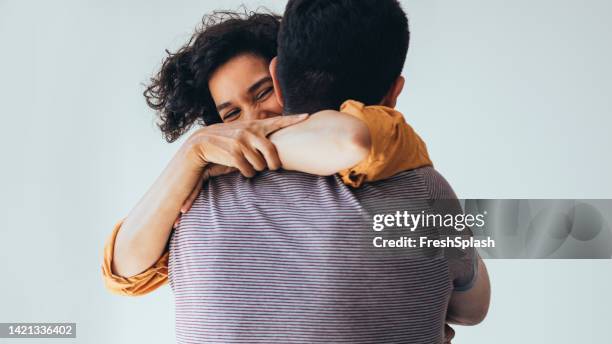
[263,94]
[231,115]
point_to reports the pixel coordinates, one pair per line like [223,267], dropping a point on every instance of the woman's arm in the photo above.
[145,231]
[328,142]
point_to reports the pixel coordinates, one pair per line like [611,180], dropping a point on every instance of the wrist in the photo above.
[192,154]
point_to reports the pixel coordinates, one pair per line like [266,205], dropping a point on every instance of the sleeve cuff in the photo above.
[141,284]
[395,147]
[358,174]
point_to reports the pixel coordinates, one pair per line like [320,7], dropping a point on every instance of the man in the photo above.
[288,257]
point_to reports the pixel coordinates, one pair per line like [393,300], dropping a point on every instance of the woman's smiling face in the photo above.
[242,89]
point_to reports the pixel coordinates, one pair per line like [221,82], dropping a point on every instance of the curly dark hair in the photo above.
[179,91]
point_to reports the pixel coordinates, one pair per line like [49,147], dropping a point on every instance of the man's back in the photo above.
[288,257]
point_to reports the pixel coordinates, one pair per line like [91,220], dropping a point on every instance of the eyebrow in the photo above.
[258,84]
[251,89]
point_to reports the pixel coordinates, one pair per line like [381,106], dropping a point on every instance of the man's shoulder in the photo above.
[439,187]
[419,183]
[424,182]
[279,182]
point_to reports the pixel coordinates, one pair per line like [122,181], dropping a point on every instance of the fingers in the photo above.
[194,194]
[212,170]
[189,201]
[271,125]
[254,158]
[245,145]
[268,150]
[449,334]
[215,170]
[244,166]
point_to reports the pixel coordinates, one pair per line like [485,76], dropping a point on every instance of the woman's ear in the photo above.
[390,98]
[277,89]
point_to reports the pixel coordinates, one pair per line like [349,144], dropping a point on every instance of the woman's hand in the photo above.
[243,145]
[236,146]
[449,334]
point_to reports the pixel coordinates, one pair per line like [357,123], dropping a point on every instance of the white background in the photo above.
[512,98]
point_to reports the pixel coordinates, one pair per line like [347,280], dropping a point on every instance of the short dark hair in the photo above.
[179,91]
[333,50]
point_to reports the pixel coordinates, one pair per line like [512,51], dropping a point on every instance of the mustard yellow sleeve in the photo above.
[396,147]
[141,284]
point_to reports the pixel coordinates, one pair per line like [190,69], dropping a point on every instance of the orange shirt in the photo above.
[395,147]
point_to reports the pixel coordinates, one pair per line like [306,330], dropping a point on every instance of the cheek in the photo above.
[272,106]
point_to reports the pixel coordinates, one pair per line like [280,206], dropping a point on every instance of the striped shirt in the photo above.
[287,257]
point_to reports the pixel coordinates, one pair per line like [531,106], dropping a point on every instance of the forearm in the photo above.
[470,307]
[145,232]
[324,144]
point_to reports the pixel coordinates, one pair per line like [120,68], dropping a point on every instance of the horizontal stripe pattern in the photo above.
[287,257]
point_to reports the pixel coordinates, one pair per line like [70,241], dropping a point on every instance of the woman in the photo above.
[221,79]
